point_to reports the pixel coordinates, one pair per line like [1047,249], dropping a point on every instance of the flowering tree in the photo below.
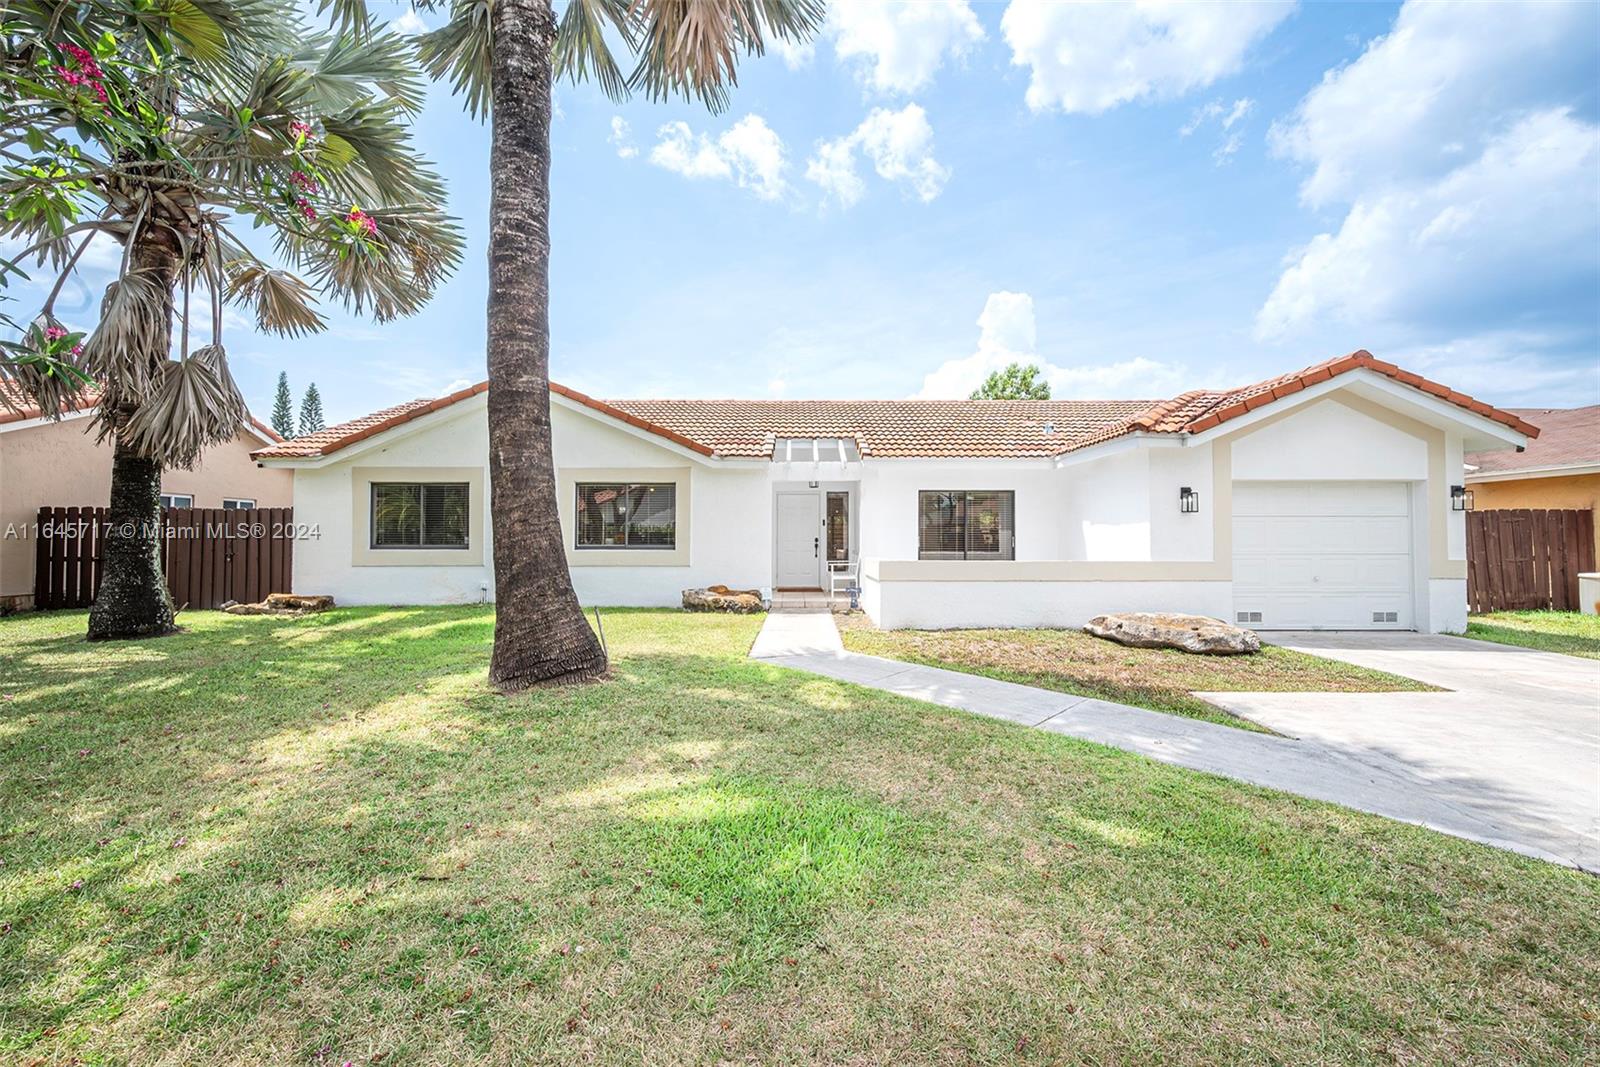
[502,57]
[160,127]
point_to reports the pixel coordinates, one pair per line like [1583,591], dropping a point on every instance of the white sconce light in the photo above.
[1460,498]
[1188,501]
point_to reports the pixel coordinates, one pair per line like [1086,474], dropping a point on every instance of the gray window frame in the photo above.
[626,487]
[965,554]
[422,509]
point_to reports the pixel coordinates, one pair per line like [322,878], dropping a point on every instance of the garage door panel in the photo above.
[1323,555]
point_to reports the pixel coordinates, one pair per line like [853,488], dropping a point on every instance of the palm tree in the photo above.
[161,127]
[503,57]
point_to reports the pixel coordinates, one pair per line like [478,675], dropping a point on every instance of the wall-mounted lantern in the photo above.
[1460,498]
[1188,501]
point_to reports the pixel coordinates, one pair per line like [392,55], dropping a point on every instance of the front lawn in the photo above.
[269,841]
[1567,632]
[1072,661]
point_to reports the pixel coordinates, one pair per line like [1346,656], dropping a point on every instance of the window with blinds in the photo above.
[627,516]
[419,514]
[966,524]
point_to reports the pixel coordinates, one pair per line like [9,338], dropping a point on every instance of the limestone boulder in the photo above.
[721,598]
[282,604]
[1188,633]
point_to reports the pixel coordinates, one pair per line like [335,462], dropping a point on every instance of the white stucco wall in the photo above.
[1120,509]
[888,512]
[735,553]
[325,497]
[934,605]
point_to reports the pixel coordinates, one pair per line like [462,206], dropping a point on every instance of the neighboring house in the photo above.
[1559,471]
[58,463]
[1321,499]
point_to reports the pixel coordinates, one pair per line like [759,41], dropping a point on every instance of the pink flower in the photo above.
[305,181]
[306,209]
[300,130]
[54,333]
[75,886]
[368,225]
[77,350]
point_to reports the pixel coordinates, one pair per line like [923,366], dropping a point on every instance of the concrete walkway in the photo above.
[1362,777]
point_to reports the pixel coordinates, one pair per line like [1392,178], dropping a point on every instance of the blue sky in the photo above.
[1142,199]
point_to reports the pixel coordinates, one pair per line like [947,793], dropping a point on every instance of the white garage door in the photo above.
[1322,555]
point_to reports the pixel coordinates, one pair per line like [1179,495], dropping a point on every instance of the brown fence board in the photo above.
[209,556]
[1519,558]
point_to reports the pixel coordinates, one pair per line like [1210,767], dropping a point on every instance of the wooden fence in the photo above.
[210,555]
[1521,559]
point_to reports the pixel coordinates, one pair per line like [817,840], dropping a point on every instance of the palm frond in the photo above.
[416,248]
[343,71]
[460,52]
[581,43]
[349,17]
[283,304]
[134,318]
[192,404]
[386,167]
[690,48]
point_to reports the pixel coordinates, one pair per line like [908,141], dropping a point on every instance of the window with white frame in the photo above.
[236,503]
[966,524]
[177,500]
[626,515]
[419,515]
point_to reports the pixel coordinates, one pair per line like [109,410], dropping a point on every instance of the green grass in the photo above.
[1566,632]
[270,841]
[1071,661]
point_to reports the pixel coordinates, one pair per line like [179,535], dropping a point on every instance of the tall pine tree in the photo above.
[283,408]
[311,410]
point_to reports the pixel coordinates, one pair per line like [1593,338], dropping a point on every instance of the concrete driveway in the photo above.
[1517,738]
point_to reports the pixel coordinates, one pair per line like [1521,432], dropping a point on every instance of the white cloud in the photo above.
[1470,183]
[409,23]
[1434,90]
[748,153]
[456,386]
[900,146]
[1216,110]
[1091,57]
[897,46]
[1226,116]
[795,56]
[1008,334]
[1495,236]
[621,137]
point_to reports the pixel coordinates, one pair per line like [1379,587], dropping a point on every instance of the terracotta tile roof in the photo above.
[889,428]
[966,429]
[15,408]
[1236,402]
[344,434]
[1568,437]
[1198,411]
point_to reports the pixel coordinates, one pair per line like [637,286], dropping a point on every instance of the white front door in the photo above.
[799,541]
[1322,555]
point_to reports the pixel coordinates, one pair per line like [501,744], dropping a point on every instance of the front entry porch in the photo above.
[814,540]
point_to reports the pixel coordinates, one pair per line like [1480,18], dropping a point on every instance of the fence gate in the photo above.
[210,555]
[1519,559]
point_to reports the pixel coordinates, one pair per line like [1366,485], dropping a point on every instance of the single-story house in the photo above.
[57,462]
[1320,499]
[1558,471]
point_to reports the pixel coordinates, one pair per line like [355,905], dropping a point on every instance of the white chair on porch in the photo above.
[842,575]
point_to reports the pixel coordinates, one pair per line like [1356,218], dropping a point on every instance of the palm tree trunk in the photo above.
[133,600]
[540,634]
